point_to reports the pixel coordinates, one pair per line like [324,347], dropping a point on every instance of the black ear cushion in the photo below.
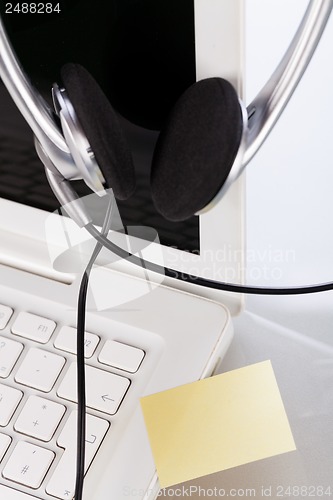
[195,152]
[102,128]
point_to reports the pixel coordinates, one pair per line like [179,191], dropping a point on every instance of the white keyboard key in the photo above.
[104,390]
[9,400]
[66,341]
[62,482]
[39,418]
[33,327]
[9,353]
[10,494]
[122,356]
[28,464]
[40,369]
[4,443]
[5,315]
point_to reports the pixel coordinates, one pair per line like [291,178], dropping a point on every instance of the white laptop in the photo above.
[146,337]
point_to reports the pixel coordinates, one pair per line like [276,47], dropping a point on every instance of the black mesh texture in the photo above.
[196,150]
[101,126]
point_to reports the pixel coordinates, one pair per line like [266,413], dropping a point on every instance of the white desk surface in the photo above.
[300,346]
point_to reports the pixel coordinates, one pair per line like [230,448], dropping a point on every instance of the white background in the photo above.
[290,181]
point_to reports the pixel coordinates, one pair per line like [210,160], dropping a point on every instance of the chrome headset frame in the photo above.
[258,118]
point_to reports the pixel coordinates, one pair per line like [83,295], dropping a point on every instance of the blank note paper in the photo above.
[217,423]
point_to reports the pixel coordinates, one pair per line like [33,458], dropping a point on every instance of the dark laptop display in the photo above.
[142,52]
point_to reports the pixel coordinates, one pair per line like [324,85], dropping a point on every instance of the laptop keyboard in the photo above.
[38,401]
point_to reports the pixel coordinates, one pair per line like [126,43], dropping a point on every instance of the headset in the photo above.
[209,138]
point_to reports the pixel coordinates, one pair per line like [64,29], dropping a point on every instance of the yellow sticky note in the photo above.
[217,423]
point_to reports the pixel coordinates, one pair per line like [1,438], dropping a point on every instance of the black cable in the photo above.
[197,280]
[102,241]
[81,392]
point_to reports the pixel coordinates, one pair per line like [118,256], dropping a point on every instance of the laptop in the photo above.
[144,337]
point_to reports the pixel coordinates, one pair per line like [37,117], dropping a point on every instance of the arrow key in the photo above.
[104,390]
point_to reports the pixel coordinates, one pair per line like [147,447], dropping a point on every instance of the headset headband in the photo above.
[263,112]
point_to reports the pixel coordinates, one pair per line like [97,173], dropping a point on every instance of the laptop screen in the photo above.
[143,55]
[143,76]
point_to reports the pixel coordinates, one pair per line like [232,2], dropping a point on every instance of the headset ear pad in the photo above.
[102,128]
[196,150]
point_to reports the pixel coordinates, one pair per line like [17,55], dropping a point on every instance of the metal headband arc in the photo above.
[263,111]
